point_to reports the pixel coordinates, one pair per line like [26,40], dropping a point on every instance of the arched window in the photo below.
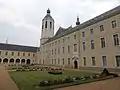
[46,24]
[50,25]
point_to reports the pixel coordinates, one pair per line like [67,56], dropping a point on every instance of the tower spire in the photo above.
[77,22]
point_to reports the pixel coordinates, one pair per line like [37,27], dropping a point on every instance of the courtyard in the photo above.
[30,80]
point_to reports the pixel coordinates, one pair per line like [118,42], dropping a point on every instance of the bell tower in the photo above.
[47,27]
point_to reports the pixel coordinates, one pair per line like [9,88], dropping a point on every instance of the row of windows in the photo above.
[46,25]
[101,28]
[104,61]
[102,42]
[63,50]
[12,53]
[55,43]
[57,61]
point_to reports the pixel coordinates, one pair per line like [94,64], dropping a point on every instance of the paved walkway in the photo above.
[6,83]
[111,84]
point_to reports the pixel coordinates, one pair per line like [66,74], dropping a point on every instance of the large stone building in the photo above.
[17,54]
[92,44]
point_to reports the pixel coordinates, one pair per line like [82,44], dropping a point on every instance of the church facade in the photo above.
[92,44]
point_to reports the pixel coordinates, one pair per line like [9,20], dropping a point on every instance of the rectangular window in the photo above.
[84,58]
[12,53]
[28,54]
[63,40]
[63,62]
[118,61]
[68,49]
[68,61]
[93,61]
[6,53]
[102,42]
[114,24]
[83,46]
[59,42]
[55,51]
[104,60]
[116,39]
[75,47]
[33,55]
[91,31]
[58,50]
[92,44]
[52,51]
[52,61]
[23,54]
[63,49]
[18,53]
[58,61]
[101,28]
[55,61]
[74,36]
[83,34]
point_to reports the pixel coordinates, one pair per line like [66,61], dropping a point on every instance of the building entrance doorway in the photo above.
[75,64]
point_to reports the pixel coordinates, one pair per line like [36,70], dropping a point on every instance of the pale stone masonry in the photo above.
[92,44]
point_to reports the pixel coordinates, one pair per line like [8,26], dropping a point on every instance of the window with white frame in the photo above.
[118,61]
[93,61]
[84,60]
[101,28]
[114,24]
[92,44]
[116,39]
[102,42]
[104,60]
[83,46]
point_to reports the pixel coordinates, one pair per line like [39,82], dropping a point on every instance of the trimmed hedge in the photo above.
[55,72]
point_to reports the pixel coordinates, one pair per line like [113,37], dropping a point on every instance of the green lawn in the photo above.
[28,80]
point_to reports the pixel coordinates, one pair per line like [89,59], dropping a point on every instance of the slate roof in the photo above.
[108,14]
[13,47]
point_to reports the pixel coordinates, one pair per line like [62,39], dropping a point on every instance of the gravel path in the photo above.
[111,84]
[6,83]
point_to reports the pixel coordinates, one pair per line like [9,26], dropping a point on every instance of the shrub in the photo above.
[113,74]
[55,72]
[104,72]
[77,78]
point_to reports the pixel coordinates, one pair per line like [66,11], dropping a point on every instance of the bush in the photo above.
[113,74]
[105,72]
[55,72]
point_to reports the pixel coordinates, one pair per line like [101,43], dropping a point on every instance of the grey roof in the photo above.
[13,47]
[108,14]
[60,31]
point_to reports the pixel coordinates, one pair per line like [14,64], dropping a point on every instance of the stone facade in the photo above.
[94,43]
[17,54]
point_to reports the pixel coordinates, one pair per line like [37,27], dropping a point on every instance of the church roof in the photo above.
[12,47]
[108,14]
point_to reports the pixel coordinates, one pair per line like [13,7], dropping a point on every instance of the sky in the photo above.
[20,20]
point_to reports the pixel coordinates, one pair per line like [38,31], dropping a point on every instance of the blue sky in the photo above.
[20,20]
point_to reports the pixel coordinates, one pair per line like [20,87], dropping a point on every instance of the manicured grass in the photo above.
[30,80]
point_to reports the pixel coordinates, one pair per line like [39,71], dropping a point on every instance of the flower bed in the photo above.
[84,79]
